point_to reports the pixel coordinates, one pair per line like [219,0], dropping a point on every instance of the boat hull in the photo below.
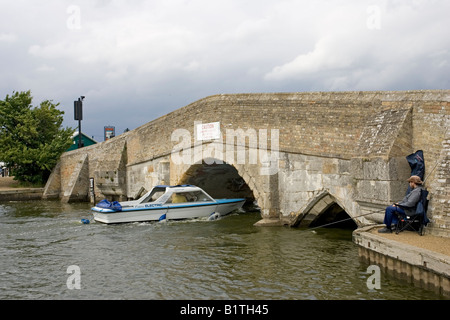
[128,215]
[168,212]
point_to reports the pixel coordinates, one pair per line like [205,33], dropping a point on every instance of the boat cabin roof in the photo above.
[163,193]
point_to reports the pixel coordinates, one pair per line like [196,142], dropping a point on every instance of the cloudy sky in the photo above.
[138,60]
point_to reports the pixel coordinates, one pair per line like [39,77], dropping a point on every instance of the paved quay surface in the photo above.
[8,183]
[427,241]
[11,190]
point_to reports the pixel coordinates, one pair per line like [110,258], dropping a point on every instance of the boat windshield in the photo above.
[192,196]
[154,195]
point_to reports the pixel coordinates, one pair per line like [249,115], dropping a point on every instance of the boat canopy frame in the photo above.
[167,194]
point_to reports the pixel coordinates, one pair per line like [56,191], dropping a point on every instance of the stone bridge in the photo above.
[303,158]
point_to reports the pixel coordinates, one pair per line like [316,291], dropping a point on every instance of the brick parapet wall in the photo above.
[440,187]
[320,123]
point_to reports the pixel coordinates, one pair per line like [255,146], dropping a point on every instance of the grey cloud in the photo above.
[135,62]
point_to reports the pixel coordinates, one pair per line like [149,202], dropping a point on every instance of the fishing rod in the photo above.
[366,214]
[350,218]
[437,161]
[429,174]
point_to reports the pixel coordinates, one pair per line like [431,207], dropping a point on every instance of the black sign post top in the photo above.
[78,108]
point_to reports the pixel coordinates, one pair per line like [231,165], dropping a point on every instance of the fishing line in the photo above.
[437,161]
[350,218]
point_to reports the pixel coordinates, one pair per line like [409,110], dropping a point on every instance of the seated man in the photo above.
[405,207]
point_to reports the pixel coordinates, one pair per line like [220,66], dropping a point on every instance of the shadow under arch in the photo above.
[220,180]
[325,210]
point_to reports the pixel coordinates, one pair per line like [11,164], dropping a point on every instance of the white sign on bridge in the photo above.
[208,131]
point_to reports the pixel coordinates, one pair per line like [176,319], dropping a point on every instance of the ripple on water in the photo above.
[224,259]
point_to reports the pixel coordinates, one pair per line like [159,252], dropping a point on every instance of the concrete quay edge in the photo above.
[422,267]
[21,194]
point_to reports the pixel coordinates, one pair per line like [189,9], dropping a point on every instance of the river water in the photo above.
[47,253]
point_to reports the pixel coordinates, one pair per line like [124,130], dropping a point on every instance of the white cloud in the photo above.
[350,53]
[329,53]
[45,68]
[8,37]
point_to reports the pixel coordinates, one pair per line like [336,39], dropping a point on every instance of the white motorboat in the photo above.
[166,203]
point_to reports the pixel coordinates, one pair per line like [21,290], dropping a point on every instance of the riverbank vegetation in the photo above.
[31,138]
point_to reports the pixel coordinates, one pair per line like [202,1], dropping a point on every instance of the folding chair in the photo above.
[417,221]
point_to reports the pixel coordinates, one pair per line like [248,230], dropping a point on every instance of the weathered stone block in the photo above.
[371,190]
[376,169]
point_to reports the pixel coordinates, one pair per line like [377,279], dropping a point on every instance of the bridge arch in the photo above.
[325,209]
[222,180]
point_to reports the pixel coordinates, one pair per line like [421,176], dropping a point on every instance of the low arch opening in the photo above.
[220,181]
[334,217]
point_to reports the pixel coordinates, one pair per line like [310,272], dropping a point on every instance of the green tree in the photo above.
[31,138]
